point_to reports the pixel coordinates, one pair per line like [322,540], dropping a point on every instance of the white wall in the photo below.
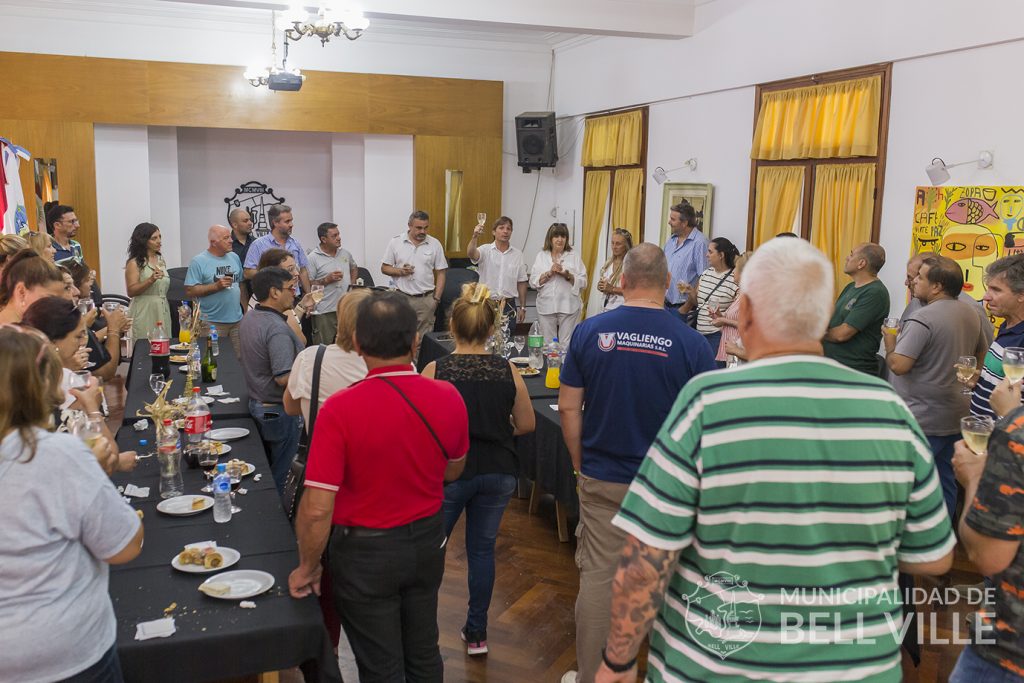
[388,192]
[213,162]
[348,192]
[122,196]
[164,206]
[949,99]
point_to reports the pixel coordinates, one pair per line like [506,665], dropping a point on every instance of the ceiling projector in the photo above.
[285,80]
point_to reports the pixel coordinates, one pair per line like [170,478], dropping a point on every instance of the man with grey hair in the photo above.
[213,277]
[280,237]
[765,483]
[415,262]
[628,365]
[855,330]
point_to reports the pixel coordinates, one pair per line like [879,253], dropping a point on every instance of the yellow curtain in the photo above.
[627,199]
[778,195]
[615,140]
[819,122]
[453,213]
[844,201]
[595,198]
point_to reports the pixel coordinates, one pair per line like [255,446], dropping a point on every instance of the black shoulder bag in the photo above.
[430,429]
[691,317]
[296,479]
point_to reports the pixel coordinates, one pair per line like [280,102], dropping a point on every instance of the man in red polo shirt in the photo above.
[382,450]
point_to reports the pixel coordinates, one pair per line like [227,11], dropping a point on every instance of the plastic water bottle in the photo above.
[535,343]
[194,360]
[197,425]
[214,340]
[221,494]
[168,452]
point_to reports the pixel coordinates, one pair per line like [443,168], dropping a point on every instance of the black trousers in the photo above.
[385,590]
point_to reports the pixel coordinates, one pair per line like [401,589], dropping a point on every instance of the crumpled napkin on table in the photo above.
[158,628]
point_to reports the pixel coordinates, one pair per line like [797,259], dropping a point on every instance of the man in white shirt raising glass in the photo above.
[501,266]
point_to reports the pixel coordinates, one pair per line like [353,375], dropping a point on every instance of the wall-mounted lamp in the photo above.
[660,175]
[938,170]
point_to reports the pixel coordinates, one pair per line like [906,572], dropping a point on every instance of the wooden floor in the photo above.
[531,632]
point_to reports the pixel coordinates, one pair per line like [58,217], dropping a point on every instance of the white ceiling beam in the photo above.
[633,18]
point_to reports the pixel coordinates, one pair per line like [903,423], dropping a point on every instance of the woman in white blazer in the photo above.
[558,275]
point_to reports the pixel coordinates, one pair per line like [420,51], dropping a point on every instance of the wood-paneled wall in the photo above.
[72,144]
[479,159]
[457,123]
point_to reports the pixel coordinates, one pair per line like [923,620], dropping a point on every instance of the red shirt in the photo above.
[372,448]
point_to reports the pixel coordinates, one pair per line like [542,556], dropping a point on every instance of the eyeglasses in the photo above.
[32,332]
[72,221]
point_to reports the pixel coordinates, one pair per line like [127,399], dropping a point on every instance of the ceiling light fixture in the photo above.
[938,170]
[328,23]
[660,175]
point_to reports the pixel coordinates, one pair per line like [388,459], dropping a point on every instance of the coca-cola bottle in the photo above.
[160,350]
[197,425]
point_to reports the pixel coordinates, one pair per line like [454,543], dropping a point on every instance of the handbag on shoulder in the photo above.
[295,481]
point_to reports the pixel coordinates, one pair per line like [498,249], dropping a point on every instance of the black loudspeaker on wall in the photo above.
[535,140]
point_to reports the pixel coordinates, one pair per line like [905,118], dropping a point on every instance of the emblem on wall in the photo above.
[255,197]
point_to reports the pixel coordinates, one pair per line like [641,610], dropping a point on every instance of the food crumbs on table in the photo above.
[170,608]
[140,514]
[247,604]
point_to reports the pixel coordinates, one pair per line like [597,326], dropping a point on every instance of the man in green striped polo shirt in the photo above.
[767,525]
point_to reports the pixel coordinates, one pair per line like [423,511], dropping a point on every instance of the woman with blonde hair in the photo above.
[9,246]
[558,275]
[26,278]
[499,409]
[41,244]
[611,272]
[64,524]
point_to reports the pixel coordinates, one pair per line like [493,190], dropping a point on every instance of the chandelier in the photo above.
[328,23]
[274,75]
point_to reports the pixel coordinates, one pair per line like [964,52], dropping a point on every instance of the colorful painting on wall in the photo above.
[974,226]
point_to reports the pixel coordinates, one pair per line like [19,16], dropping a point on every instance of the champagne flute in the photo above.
[86,305]
[1013,363]
[156,383]
[891,325]
[965,366]
[520,342]
[481,218]
[317,292]
[976,429]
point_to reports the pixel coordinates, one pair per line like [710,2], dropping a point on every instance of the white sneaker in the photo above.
[569,677]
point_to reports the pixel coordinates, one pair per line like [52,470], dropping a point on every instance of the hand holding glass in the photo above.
[891,325]
[965,367]
[317,292]
[1013,363]
[976,429]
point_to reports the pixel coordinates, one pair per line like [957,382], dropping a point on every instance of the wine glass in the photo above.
[110,306]
[481,218]
[86,305]
[891,325]
[79,379]
[976,429]
[317,293]
[520,343]
[965,366]
[1013,363]
[235,470]
[157,383]
[207,459]
[89,430]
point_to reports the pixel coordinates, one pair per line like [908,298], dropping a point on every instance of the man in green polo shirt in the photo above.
[855,330]
[768,521]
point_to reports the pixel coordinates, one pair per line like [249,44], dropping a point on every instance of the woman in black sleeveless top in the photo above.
[499,408]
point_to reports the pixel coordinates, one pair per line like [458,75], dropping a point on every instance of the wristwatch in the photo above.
[617,668]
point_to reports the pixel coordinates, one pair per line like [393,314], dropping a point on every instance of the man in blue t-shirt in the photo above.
[212,278]
[628,365]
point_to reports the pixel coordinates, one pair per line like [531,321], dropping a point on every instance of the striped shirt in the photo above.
[686,261]
[992,370]
[792,487]
[710,292]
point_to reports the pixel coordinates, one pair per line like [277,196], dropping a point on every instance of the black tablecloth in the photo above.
[544,458]
[229,376]
[434,347]
[215,639]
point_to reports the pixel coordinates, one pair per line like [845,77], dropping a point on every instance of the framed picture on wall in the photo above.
[698,194]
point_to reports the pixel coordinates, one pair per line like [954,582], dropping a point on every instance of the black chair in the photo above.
[115,298]
[454,279]
[175,295]
[367,278]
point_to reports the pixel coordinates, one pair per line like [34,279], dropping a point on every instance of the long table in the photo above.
[215,639]
[229,375]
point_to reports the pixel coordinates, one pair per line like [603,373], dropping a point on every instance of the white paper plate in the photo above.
[520,360]
[181,400]
[181,506]
[228,433]
[183,368]
[249,469]
[231,556]
[244,583]
[180,347]
[224,448]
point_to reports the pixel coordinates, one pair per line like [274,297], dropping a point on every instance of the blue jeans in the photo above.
[280,434]
[971,668]
[942,453]
[106,670]
[484,498]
